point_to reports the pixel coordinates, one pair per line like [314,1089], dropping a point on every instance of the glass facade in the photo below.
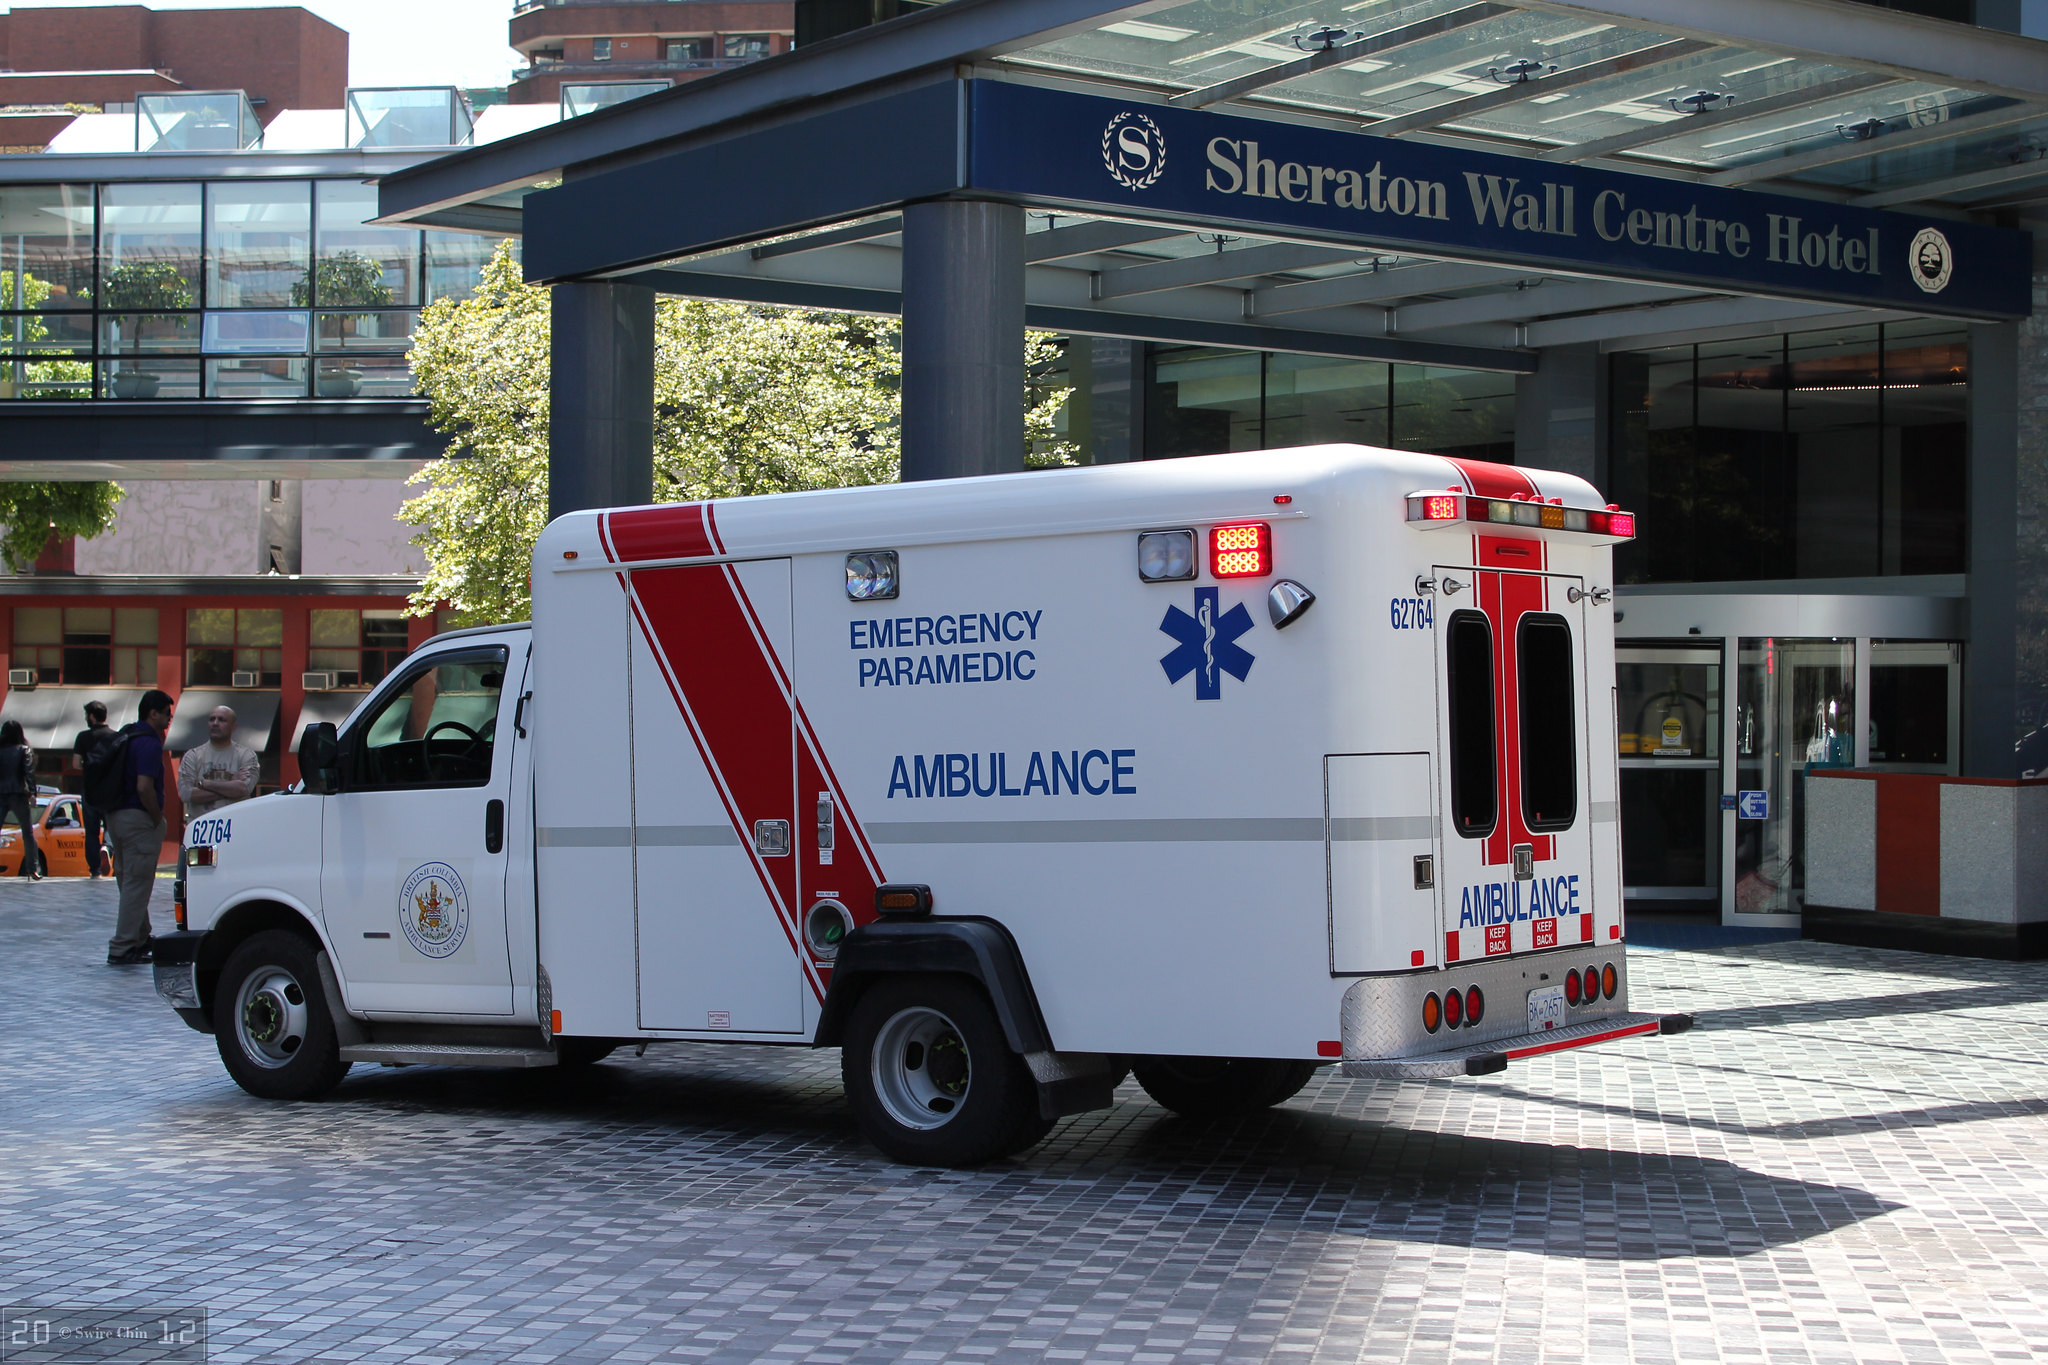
[233,289]
[1826,454]
[1203,401]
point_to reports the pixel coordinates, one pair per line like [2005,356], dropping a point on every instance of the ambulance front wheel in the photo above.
[931,1078]
[1216,1087]
[271,1020]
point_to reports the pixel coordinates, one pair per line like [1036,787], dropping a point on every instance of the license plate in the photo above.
[1546,1008]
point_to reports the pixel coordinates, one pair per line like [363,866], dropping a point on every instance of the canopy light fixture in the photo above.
[1521,72]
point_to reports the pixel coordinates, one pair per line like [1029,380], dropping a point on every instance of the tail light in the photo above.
[1610,981]
[1454,1008]
[1571,987]
[1475,1007]
[1432,1013]
[1244,550]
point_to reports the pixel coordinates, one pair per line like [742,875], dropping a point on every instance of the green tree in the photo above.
[747,400]
[345,279]
[36,512]
[33,512]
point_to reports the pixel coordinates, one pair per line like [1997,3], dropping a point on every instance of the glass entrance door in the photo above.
[1795,714]
[1668,713]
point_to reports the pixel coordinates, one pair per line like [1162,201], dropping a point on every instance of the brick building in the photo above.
[656,42]
[285,58]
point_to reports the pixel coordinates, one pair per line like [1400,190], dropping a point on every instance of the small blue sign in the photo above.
[1727,800]
[1753,805]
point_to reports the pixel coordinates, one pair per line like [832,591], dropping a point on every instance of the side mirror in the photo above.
[320,758]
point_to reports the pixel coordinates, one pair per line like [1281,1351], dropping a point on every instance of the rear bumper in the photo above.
[1483,1059]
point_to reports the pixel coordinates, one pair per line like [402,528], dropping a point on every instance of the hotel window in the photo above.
[686,49]
[600,49]
[746,46]
[357,647]
[87,646]
[221,642]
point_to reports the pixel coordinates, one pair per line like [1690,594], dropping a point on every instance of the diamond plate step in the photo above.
[1495,1054]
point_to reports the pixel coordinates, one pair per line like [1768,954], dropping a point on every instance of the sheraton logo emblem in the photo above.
[1931,262]
[1134,150]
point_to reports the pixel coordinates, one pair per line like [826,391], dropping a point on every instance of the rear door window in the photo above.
[1475,782]
[1550,759]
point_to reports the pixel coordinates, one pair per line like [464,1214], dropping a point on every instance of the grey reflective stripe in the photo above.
[1248,830]
[651,836]
[687,836]
[567,836]
[1606,812]
[1365,829]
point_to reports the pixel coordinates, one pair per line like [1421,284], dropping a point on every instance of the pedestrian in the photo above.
[218,772]
[137,825]
[18,794]
[95,733]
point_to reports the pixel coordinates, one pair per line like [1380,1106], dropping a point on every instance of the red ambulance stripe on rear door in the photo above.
[677,531]
[1489,480]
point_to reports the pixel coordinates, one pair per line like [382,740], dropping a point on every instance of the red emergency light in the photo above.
[1452,506]
[1242,550]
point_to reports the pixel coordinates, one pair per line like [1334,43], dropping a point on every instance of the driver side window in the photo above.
[437,728]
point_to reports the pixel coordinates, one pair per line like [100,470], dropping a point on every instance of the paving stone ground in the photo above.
[1847,1161]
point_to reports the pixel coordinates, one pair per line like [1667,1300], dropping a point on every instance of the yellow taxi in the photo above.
[60,839]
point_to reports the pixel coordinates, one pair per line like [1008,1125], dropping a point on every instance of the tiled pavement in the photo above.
[1846,1161]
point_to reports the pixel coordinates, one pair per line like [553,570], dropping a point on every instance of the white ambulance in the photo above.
[1213,770]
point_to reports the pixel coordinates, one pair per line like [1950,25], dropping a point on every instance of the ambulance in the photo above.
[1213,771]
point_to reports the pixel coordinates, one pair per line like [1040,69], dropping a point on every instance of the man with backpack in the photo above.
[126,780]
[95,733]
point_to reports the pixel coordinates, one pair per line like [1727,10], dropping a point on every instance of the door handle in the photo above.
[519,716]
[494,827]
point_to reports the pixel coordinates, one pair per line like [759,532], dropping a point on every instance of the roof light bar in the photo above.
[1454,506]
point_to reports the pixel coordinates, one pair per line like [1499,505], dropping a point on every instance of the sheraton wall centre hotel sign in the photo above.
[1157,161]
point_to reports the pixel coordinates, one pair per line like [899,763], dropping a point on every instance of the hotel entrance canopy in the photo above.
[1443,181]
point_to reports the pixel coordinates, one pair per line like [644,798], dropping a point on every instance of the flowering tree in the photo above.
[746,400]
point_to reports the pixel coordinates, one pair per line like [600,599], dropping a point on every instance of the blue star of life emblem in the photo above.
[1208,645]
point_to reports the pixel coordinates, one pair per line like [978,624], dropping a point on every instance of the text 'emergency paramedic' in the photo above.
[1502,902]
[1095,772]
[936,669]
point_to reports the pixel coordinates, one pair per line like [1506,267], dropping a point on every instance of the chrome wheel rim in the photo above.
[921,1069]
[271,1017]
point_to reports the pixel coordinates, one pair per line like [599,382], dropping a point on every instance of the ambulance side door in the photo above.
[715,825]
[413,862]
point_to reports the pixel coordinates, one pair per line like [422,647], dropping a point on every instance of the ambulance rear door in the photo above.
[1517,844]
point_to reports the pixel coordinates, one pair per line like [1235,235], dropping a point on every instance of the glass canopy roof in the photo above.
[1564,88]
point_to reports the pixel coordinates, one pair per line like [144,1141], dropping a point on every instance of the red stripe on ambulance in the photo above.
[735,696]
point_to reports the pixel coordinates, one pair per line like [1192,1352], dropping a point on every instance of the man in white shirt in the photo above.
[218,772]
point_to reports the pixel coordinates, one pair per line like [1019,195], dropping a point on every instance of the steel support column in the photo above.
[601,396]
[1558,420]
[963,339]
[1998,705]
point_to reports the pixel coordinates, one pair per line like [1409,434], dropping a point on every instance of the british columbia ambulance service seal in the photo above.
[433,909]
[1134,150]
[1929,260]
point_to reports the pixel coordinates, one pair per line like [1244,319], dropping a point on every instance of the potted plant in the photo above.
[151,289]
[346,279]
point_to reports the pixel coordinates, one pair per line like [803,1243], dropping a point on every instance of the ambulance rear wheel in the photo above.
[575,1054]
[271,1020]
[1216,1087]
[931,1078]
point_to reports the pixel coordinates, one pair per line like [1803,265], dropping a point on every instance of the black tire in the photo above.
[576,1054]
[1217,1087]
[931,1045]
[42,863]
[271,1020]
